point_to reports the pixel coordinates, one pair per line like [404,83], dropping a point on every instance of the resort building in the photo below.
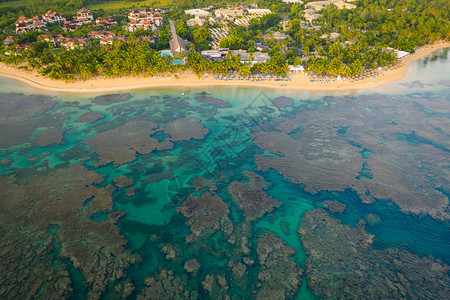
[250,14]
[74,24]
[9,40]
[217,34]
[23,24]
[214,20]
[198,13]
[85,14]
[73,43]
[109,40]
[225,13]
[252,58]
[311,15]
[150,39]
[399,53]
[277,36]
[146,24]
[70,25]
[331,36]
[106,22]
[217,54]
[24,46]
[318,5]
[146,19]
[259,12]
[53,17]
[296,69]
[197,21]
[285,25]
[55,39]
[243,21]
[313,27]
[146,14]
[140,15]
[100,34]
[177,45]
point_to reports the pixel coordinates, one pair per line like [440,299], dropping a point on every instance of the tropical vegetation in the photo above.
[339,42]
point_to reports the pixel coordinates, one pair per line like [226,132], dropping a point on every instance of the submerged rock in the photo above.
[165,286]
[208,283]
[60,204]
[341,264]
[185,129]
[130,192]
[192,266]
[6,162]
[403,155]
[125,290]
[112,98]
[90,117]
[282,101]
[169,251]
[22,114]
[254,201]
[12,106]
[280,276]
[50,137]
[205,213]
[212,101]
[335,206]
[122,144]
[123,181]
[372,219]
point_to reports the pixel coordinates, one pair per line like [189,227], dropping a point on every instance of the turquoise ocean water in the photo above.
[383,153]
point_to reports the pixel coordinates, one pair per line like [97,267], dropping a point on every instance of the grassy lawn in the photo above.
[106,6]
[15,3]
[124,4]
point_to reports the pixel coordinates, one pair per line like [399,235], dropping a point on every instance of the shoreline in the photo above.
[298,81]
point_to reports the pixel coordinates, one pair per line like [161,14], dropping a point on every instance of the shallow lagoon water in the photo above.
[158,192]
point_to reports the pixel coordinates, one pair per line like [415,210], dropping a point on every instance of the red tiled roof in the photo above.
[84,10]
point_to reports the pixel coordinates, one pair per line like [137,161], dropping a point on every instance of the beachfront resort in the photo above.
[272,149]
[252,42]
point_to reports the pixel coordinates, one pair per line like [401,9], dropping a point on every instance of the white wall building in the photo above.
[198,13]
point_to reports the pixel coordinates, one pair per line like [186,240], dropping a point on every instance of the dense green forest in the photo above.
[364,34]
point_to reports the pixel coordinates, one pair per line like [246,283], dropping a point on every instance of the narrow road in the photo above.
[172,28]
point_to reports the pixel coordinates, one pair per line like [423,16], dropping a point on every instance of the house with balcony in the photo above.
[85,14]
[53,17]
[23,24]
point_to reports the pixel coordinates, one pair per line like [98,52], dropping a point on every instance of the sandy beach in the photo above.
[298,81]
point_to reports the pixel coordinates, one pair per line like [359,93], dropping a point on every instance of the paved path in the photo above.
[172,28]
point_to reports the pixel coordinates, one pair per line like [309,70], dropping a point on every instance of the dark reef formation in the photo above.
[59,206]
[111,99]
[251,198]
[335,206]
[366,143]
[282,101]
[165,285]
[342,264]
[90,117]
[212,101]
[280,275]
[126,140]
[146,203]
[185,129]
[50,137]
[205,213]
[123,181]
[22,114]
